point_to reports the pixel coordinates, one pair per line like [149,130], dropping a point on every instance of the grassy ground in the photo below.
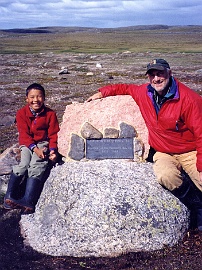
[171,39]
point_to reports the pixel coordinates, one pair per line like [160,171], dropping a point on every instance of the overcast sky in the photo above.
[100,13]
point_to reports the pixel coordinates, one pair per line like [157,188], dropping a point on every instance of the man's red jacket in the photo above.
[178,126]
[32,129]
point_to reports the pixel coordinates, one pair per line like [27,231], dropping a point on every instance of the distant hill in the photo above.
[58,29]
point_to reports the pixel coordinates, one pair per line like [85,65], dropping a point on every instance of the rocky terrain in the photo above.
[86,73]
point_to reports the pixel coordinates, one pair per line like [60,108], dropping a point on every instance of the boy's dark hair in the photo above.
[35,86]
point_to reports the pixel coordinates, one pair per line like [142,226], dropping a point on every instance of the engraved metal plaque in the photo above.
[121,148]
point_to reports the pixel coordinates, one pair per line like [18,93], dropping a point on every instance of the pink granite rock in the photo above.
[104,113]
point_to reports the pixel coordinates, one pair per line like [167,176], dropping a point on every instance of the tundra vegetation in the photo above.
[37,55]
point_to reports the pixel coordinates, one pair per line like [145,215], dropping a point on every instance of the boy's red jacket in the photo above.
[32,129]
[178,126]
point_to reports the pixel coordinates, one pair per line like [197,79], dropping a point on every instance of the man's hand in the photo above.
[95,96]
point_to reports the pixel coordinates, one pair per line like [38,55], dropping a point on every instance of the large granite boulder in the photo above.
[104,208]
[102,114]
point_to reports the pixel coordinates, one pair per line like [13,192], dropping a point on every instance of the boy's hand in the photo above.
[39,152]
[53,156]
[42,152]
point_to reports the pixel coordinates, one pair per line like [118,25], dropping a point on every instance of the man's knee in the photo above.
[167,170]
[169,180]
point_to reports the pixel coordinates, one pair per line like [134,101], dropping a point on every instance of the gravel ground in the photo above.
[16,73]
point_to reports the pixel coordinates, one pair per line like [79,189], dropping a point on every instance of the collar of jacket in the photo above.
[36,114]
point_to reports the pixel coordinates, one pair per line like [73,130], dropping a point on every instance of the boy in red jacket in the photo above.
[38,127]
